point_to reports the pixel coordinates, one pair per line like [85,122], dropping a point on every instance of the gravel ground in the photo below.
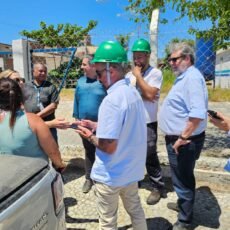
[211,211]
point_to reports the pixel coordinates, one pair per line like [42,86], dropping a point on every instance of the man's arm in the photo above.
[48,110]
[191,126]
[148,92]
[106,145]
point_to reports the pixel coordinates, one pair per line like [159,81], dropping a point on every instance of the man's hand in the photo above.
[89,124]
[137,71]
[223,123]
[179,143]
[84,132]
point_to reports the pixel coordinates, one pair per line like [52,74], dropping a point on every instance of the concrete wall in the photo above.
[21,57]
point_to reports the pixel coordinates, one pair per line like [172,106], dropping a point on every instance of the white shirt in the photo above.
[153,77]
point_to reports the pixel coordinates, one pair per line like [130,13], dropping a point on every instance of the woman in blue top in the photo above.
[24,133]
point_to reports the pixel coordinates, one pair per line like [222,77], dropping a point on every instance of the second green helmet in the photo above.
[110,51]
[141,45]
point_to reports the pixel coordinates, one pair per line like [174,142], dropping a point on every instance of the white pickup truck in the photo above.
[31,195]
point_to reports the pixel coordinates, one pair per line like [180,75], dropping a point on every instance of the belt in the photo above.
[170,138]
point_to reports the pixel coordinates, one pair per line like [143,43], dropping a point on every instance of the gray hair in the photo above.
[185,48]
[120,67]
[89,57]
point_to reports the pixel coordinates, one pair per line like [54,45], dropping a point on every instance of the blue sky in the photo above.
[110,14]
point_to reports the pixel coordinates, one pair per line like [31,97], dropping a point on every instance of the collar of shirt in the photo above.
[117,84]
[38,86]
[147,71]
[181,76]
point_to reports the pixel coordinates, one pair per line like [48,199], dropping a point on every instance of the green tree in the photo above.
[63,35]
[123,40]
[217,12]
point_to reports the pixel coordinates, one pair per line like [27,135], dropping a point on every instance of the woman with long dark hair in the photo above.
[23,133]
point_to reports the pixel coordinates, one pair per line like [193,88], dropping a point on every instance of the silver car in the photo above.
[31,195]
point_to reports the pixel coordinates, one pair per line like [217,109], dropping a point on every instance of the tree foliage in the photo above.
[217,12]
[75,70]
[62,35]
[123,40]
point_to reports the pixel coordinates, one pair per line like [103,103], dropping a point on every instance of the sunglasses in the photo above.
[174,59]
[99,72]
[17,79]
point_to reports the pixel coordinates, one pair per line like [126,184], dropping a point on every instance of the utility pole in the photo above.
[154,37]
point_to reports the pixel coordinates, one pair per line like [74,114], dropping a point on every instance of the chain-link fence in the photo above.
[62,65]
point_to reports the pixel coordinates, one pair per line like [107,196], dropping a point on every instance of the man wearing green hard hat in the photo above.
[148,80]
[120,140]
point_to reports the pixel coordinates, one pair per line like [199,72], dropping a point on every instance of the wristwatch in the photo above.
[183,138]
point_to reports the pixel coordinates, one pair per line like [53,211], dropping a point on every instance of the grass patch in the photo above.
[218,94]
[67,94]
[168,79]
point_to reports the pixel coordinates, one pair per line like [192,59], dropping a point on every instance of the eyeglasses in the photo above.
[99,72]
[174,59]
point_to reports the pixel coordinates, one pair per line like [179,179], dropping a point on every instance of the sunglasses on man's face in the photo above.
[174,59]
[99,72]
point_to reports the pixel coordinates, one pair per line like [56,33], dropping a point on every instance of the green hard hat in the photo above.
[110,51]
[141,45]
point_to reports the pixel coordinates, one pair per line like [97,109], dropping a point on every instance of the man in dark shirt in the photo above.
[41,96]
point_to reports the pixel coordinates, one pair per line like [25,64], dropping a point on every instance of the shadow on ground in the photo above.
[69,202]
[74,169]
[206,209]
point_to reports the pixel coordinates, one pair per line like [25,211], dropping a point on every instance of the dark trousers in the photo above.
[89,157]
[152,161]
[54,134]
[182,172]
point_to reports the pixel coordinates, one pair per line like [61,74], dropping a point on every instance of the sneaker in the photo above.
[87,186]
[153,197]
[173,206]
[181,226]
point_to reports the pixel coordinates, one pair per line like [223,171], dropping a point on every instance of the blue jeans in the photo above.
[182,172]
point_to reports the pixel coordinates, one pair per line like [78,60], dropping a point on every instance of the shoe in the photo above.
[87,186]
[153,197]
[173,206]
[181,226]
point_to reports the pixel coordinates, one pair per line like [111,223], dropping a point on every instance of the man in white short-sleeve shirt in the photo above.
[120,140]
[148,80]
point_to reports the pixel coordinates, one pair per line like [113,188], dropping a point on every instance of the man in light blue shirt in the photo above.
[183,119]
[120,141]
